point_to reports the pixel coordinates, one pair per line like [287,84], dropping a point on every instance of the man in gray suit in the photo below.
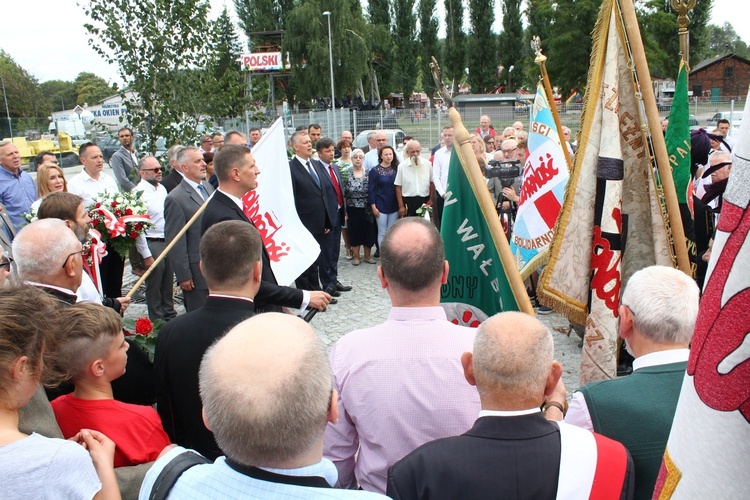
[124,162]
[7,231]
[179,207]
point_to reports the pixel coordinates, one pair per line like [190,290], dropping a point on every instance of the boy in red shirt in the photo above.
[93,353]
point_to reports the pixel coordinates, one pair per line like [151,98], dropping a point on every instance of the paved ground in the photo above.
[368,304]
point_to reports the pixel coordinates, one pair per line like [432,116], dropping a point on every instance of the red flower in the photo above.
[97,205]
[113,204]
[128,211]
[138,226]
[143,326]
[133,235]
[118,214]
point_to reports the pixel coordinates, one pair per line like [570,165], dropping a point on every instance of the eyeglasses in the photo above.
[82,253]
[157,169]
[6,262]
[508,151]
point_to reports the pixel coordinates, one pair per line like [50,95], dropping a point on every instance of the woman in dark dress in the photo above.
[362,230]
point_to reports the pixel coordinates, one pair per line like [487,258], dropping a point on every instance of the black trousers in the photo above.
[413,203]
[111,269]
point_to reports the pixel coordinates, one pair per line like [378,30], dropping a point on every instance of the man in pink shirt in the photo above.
[400,384]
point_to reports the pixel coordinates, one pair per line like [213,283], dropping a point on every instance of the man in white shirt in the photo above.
[152,243]
[414,182]
[440,165]
[88,184]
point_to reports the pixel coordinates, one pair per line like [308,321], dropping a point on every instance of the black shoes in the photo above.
[342,288]
[331,290]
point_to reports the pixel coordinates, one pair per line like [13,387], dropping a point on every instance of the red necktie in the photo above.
[336,186]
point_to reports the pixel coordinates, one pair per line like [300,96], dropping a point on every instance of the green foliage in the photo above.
[453,60]
[25,97]
[306,41]
[90,89]
[60,93]
[380,13]
[511,43]
[724,40]
[658,23]
[428,44]
[382,45]
[569,44]
[481,47]
[539,14]
[405,66]
[156,44]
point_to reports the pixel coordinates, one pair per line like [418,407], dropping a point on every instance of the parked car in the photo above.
[734,118]
[395,138]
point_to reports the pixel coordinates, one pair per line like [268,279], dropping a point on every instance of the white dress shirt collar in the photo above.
[508,413]
[661,358]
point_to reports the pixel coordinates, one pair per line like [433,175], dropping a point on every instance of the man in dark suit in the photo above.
[171,180]
[179,207]
[309,186]
[513,451]
[236,171]
[230,258]
[7,231]
[337,209]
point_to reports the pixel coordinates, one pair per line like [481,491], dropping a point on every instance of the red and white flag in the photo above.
[709,445]
[290,246]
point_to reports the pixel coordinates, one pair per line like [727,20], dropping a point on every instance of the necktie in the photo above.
[312,172]
[202,191]
[336,186]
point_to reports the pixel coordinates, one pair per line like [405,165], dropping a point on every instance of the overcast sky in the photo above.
[50,42]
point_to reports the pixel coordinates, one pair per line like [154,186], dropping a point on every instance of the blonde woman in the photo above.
[49,179]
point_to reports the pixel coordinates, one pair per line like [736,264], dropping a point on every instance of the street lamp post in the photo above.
[7,112]
[330,56]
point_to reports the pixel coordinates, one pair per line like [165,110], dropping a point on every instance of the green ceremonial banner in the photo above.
[476,275]
[678,138]
[678,150]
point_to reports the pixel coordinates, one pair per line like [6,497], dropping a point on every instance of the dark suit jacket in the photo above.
[332,202]
[171,181]
[500,457]
[6,225]
[179,350]
[222,208]
[309,199]
[180,205]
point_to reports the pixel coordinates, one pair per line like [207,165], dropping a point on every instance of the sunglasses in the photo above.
[157,169]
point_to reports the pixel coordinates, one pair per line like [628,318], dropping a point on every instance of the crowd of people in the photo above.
[239,404]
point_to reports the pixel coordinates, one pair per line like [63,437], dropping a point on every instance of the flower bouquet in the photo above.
[145,334]
[425,211]
[120,218]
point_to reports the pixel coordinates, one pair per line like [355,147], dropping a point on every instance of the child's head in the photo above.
[92,344]
[26,334]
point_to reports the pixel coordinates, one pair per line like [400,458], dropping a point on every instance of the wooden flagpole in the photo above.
[171,244]
[654,123]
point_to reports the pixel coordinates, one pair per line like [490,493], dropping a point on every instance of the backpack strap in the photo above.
[172,472]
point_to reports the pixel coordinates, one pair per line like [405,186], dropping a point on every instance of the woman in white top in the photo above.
[33,466]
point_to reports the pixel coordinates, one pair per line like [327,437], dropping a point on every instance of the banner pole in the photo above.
[654,123]
[169,247]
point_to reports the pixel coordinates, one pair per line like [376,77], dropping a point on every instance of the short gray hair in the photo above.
[295,136]
[174,151]
[182,155]
[513,353]
[40,248]
[664,303]
[261,420]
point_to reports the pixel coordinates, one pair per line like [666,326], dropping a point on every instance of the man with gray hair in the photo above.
[512,451]
[266,391]
[414,181]
[171,180]
[401,383]
[48,255]
[657,313]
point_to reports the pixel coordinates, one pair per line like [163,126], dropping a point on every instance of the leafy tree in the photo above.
[380,13]
[382,45]
[658,24]
[481,46]
[511,42]
[224,80]
[155,43]
[569,44]
[405,66]
[25,97]
[454,53]
[306,41]
[540,15]
[60,93]
[723,40]
[90,89]
[428,44]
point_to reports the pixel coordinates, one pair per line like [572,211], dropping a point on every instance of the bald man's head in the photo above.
[266,390]
[412,255]
[513,354]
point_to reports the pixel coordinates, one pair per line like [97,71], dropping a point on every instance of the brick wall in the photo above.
[731,75]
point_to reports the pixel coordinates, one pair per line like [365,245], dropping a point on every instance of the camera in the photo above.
[506,171]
